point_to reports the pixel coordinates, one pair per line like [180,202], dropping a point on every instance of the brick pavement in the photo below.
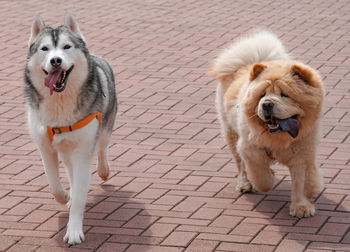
[172,180]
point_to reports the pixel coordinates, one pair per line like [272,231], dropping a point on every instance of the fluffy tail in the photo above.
[260,46]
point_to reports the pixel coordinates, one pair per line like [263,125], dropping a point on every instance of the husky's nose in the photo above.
[56,61]
[267,107]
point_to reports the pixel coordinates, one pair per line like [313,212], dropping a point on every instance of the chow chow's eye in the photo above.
[44,48]
[66,47]
[262,95]
[284,95]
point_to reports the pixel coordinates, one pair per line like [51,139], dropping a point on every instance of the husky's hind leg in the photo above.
[102,162]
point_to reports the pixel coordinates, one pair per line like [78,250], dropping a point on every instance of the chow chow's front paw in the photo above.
[244,186]
[302,209]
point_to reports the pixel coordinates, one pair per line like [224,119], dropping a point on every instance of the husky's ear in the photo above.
[72,24]
[257,69]
[37,26]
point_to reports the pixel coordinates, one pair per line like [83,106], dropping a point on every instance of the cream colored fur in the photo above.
[238,103]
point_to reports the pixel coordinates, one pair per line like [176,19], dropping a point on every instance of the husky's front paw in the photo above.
[302,209]
[103,173]
[69,202]
[103,170]
[74,236]
[61,197]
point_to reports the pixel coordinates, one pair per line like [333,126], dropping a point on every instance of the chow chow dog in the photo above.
[71,107]
[269,107]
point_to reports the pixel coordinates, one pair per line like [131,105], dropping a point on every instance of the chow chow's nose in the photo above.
[267,107]
[56,61]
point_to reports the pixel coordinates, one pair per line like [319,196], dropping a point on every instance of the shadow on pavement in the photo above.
[110,216]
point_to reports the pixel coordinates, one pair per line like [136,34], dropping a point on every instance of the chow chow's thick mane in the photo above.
[301,84]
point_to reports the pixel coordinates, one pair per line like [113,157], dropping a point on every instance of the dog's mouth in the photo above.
[57,79]
[291,125]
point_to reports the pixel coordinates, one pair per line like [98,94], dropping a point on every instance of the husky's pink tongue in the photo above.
[51,79]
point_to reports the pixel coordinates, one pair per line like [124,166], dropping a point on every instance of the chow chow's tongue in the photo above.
[51,79]
[290,125]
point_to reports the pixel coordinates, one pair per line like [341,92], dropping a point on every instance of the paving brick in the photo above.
[164,213]
[140,222]
[171,171]
[52,224]
[137,248]
[151,193]
[312,237]
[22,209]
[159,230]
[202,246]
[291,246]
[117,247]
[9,201]
[206,213]
[184,221]
[334,229]
[116,230]
[226,221]
[329,246]
[270,206]
[247,229]
[346,238]
[188,205]
[227,246]
[135,239]
[20,248]
[268,237]
[180,239]
[194,180]
[29,233]
[316,221]
[169,200]
[7,241]
[123,214]
[223,237]
[38,216]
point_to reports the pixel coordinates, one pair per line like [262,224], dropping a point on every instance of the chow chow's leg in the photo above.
[257,165]
[313,181]
[300,206]
[243,184]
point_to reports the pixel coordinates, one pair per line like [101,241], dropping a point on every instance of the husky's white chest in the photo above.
[59,110]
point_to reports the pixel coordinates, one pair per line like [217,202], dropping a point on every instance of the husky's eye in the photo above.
[66,47]
[44,48]
[284,95]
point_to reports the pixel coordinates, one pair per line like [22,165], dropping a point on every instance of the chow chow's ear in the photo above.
[72,24]
[257,69]
[37,26]
[303,73]
[222,77]
[214,74]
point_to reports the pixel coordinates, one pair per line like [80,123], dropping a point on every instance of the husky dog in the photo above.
[71,107]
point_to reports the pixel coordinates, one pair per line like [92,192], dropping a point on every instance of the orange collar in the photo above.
[78,125]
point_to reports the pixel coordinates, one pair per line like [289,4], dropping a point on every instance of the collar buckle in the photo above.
[56,130]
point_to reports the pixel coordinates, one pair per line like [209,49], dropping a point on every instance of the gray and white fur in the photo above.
[64,84]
